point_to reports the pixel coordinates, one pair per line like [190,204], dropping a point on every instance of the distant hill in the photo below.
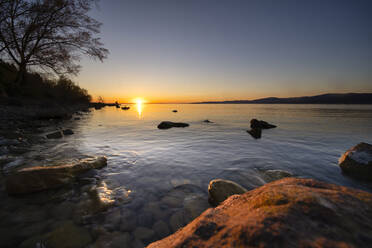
[348,98]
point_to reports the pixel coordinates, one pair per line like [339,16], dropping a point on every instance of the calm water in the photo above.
[165,173]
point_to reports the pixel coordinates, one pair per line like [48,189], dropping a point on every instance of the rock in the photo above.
[261,124]
[36,179]
[286,213]
[125,108]
[55,135]
[207,121]
[113,240]
[272,175]
[175,111]
[219,190]
[63,211]
[195,205]
[143,233]
[357,161]
[255,133]
[68,235]
[145,219]
[128,221]
[161,229]
[177,220]
[169,124]
[68,132]
[112,220]
[77,118]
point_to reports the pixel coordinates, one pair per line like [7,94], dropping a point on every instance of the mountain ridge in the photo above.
[328,98]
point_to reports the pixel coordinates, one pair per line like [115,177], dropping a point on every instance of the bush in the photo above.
[36,87]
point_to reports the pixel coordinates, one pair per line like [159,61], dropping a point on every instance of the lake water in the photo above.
[164,174]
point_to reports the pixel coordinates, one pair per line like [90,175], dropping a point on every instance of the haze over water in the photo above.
[166,172]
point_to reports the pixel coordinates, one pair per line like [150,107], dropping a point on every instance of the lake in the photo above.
[164,174]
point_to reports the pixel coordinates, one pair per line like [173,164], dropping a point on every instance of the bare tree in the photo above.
[48,34]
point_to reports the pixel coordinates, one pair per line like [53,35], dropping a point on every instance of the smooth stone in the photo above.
[112,220]
[128,220]
[55,135]
[357,161]
[219,190]
[113,240]
[161,229]
[177,220]
[195,205]
[272,175]
[156,210]
[145,219]
[68,235]
[34,179]
[68,132]
[63,211]
[169,124]
[137,244]
[255,133]
[172,201]
[143,233]
[261,124]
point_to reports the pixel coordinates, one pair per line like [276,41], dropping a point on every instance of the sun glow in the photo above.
[139,102]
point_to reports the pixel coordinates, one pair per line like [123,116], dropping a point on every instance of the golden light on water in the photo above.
[139,103]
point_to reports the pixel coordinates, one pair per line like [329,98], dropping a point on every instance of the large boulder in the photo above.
[261,124]
[36,179]
[286,213]
[357,161]
[169,124]
[219,190]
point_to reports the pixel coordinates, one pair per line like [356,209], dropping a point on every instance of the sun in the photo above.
[139,101]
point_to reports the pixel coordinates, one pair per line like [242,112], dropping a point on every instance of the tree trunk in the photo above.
[20,75]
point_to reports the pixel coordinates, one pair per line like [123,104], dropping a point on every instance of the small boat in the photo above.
[125,108]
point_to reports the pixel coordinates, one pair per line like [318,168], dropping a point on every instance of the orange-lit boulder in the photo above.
[285,213]
[36,179]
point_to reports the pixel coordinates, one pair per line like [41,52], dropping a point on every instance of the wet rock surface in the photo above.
[36,179]
[219,190]
[169,124]
[288,213]
[357,161]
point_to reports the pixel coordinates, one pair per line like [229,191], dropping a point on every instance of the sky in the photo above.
[200,50]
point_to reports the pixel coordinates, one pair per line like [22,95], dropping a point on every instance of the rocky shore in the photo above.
[285,213]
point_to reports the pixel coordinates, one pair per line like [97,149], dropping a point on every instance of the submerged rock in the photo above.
[272,175]
[286,213]
[357,161]
[67,132]
[55,135]
[36,179]
[261,124]
[255,132]
[169,124]
[219,190]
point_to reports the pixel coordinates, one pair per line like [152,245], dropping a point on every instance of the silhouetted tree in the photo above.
[48,34]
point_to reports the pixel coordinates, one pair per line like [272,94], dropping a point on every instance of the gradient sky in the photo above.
[197,50]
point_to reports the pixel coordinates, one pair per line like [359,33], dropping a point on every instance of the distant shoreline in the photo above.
[348,98]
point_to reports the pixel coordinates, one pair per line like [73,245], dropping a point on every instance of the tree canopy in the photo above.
[49,34]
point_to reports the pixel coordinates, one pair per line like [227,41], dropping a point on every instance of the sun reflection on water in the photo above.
[139,103]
